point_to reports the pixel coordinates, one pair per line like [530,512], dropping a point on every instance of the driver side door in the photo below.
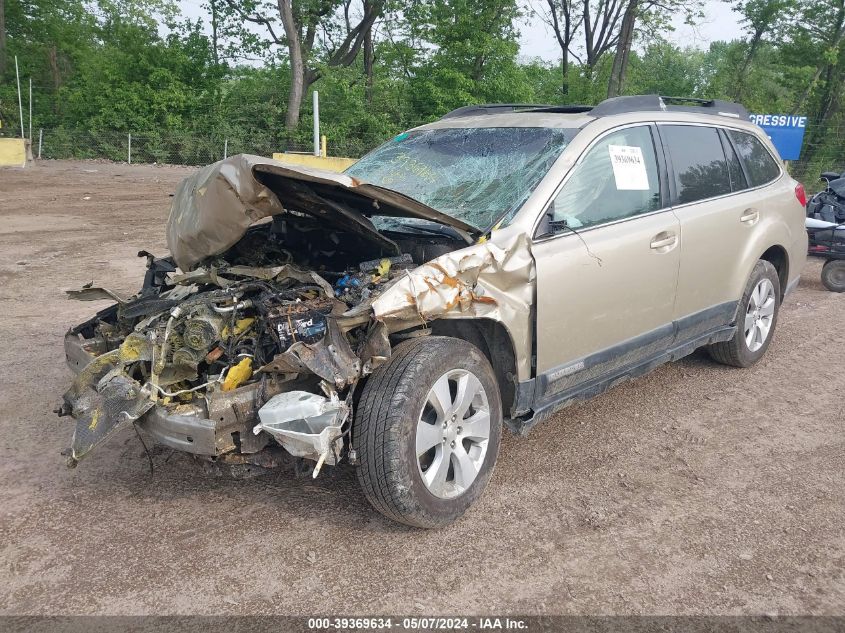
[607,257]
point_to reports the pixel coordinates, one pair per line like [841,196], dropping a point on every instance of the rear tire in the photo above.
[756,318]
[833,275]
[427,431]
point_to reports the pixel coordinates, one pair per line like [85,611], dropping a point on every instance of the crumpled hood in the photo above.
[213,208]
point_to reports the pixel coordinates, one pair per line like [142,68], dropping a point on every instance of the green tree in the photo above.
[760,18]
[315,33]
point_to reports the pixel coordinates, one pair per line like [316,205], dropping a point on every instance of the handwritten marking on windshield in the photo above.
[404,165]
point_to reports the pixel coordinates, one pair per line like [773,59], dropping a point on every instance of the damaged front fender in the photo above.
[490,280]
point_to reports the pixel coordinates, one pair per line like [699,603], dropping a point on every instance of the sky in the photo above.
[537,39]
[719,23]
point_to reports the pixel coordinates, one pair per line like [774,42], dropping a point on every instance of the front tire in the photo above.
[427,431]
[756,319]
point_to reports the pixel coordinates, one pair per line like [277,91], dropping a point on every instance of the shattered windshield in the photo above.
[477,175]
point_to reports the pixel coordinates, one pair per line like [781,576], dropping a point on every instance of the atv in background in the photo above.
[826,229]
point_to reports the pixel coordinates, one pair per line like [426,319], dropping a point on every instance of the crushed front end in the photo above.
[192,361]
[285,289]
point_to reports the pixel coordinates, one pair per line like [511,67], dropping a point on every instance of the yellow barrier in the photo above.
[332,163]
[12,152]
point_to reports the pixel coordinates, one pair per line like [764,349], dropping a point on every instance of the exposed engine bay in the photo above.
[273,306]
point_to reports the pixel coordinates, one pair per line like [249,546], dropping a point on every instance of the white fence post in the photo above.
[129,149]
[40,137]
[20,103]
[316,123]
[225,149]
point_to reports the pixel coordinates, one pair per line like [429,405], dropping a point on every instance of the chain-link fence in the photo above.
[822,150]
[182,148]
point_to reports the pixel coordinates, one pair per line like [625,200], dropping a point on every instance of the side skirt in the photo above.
[545,409]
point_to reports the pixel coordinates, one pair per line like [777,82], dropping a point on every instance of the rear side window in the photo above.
[738,181]
[759,164]
[698,160]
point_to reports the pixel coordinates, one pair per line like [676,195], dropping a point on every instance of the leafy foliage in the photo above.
[183,86]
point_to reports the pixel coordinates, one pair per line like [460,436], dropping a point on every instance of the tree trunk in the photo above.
[297,89]
[836,42]
[588,37]
[299,48]
[2,38]
[831,87]
[297,65]
[756,38]
[563,34]
[623,50]
[213,32]
[564,74]
[53,59]
[369,62]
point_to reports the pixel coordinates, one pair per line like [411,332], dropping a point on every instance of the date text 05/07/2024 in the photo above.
[418,624]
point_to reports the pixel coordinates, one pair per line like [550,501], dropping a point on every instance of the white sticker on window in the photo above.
[628,168]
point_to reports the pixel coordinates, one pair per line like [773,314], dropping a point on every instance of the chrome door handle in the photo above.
[663,240]
[749,216]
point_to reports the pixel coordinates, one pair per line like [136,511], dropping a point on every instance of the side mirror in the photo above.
[543,228]
[548,225]
[556,226]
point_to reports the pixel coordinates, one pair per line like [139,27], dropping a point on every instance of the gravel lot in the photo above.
[697,489]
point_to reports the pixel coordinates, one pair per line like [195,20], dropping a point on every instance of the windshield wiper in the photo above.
[440,229]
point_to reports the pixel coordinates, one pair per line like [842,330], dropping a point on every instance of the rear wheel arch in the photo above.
[756,319]
[778,257]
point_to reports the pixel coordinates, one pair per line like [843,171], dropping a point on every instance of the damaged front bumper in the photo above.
[305,424]
[217,424]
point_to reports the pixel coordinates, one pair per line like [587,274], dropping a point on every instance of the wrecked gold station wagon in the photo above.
[484,269]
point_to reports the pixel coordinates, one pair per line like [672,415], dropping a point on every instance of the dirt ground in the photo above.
[697,489]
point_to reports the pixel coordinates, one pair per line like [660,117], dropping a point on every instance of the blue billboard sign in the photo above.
[785,130]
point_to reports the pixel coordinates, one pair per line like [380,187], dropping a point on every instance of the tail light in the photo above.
[801,194]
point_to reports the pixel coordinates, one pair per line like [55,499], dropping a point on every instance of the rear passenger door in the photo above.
[716,223]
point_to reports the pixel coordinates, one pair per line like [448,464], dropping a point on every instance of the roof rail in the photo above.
[497,108]
[563,109]
[614,105]
[660,103]
[490,108]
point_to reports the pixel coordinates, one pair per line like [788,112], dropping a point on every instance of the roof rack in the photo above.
[614,105]
[651,103]
[489,108]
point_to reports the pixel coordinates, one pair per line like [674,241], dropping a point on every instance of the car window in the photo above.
[698,160]
[616,179]
[478,175]
[759,164]
[738,182]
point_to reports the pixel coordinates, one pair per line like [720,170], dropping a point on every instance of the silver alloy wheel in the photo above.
[453,430]
[759,315]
